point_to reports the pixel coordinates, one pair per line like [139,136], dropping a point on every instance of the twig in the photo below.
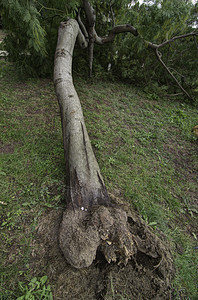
[112,14]
[48,8]
[173,95]
[155,46]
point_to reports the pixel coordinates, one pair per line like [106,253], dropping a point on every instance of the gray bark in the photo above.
[112,33]
[85,186]
[89,226]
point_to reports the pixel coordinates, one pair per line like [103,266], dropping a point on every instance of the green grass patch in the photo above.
[146,152]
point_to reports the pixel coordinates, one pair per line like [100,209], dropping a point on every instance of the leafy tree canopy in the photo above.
[32,34]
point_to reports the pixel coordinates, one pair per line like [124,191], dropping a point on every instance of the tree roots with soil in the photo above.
[147,275]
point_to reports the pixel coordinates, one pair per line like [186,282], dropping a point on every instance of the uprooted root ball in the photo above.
[147,275]
[105,229]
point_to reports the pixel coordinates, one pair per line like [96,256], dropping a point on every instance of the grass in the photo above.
[145,149]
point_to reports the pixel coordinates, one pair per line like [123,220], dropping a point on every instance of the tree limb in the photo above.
[81,39]
[155,46]
[167,69]
[93,37]
[112,33]
[112,14]
[90,54]
[91,19]
[82,26]
[193,33]
[90,13]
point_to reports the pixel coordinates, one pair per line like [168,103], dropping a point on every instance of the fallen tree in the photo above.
[91,220]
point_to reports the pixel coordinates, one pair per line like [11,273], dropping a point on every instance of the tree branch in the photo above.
[90,55]
[112,14]
[82,26]
[90,13]
[193,33]
[155,46]
[93,37]
[81,39]
[167,69]
[91,18]
[112,33]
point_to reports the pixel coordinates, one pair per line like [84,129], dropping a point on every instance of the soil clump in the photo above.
[146,275]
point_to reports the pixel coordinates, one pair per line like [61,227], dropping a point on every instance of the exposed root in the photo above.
[102,228]
[147,275]
[118,235]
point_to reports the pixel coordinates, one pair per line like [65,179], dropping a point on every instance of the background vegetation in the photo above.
[32,32]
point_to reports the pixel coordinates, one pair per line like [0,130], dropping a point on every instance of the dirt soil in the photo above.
[147,275]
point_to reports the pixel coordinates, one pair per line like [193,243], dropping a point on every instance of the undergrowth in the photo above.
[146,152]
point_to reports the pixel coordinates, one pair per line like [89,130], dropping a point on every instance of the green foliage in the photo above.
[31,32]
[21,18]
[35,289]
[32,28]
[25,36]
[157,23]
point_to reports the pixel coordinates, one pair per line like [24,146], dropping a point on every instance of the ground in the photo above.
[148,158]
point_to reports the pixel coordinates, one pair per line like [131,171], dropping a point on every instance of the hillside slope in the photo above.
[148,158]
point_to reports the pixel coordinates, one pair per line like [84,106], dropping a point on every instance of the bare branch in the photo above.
[81,39]
[91,18]
[193,33]
[158,55]
[196,43]
[155,46]
[92,35]
[82,26]
[173,95]
[90,13]
[112,33]
[90,54]
[112,14]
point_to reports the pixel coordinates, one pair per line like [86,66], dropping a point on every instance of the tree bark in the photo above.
[85,186]
[92,34]
[91,222]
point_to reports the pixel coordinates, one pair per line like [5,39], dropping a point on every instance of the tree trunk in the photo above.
[90,223]
[85,186]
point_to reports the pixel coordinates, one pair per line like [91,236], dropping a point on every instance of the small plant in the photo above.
[36,289]
[178,117]
[152,96]
[98,145]
[112,161]
[11,220]
[144,137]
